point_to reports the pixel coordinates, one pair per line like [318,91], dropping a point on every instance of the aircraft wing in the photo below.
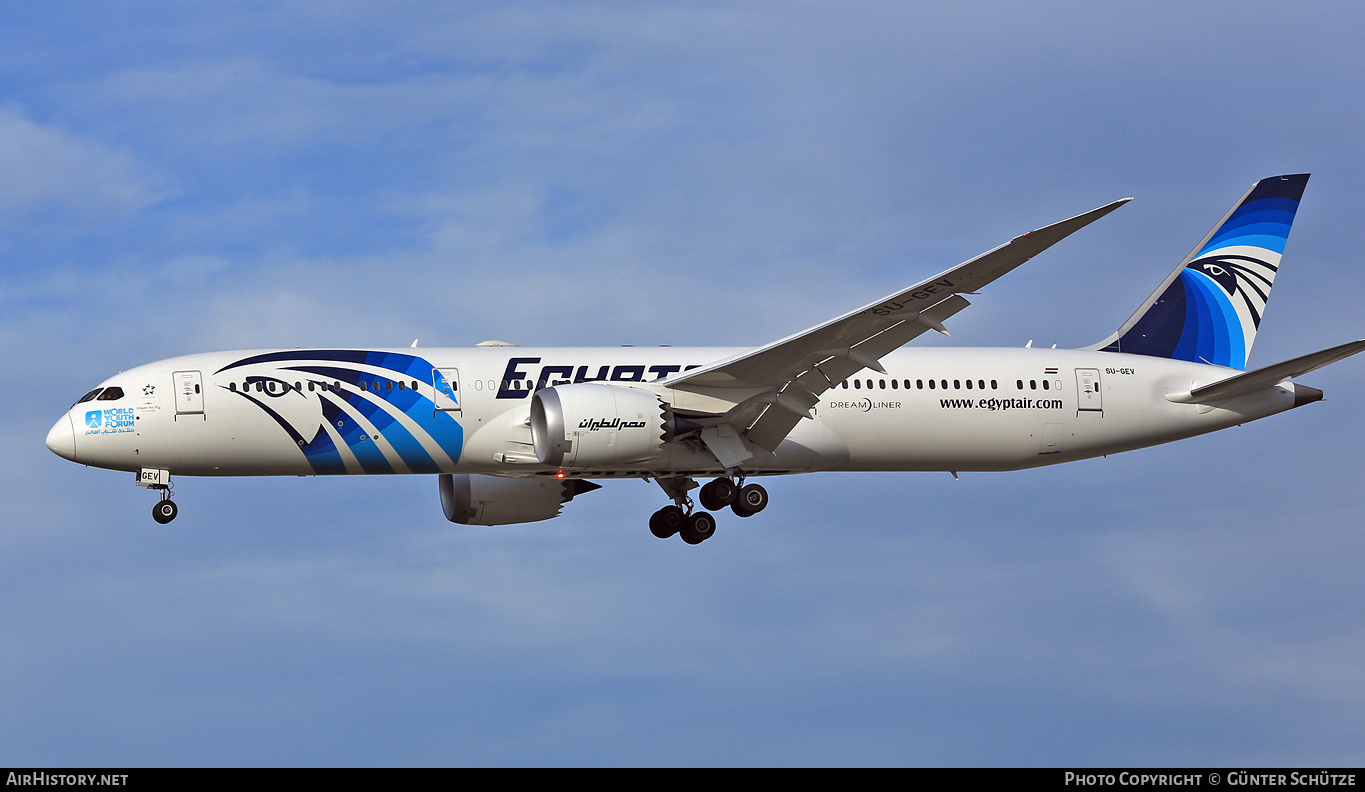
[774,386]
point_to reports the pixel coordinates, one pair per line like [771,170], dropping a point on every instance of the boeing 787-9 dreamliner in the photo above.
[513,433]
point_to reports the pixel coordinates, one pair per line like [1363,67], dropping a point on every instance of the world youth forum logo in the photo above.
[94,419]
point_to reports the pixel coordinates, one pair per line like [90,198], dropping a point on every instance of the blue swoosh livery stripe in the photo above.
[429,426]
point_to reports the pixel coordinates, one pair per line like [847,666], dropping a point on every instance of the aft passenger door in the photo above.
[1088,395]
[446,382]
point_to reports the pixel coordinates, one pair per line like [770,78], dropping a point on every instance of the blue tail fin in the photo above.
[1208,310]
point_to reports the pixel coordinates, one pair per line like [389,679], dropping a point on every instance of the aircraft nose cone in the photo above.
[61,438]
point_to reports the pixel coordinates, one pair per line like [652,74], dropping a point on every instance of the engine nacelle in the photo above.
[594,425]
[494,500]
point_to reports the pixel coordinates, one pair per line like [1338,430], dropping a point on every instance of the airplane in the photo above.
[513,433]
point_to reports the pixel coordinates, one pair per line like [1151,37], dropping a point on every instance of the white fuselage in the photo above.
[312,412]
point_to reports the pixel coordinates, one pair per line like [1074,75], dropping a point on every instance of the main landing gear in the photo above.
[746,500]
[696,527]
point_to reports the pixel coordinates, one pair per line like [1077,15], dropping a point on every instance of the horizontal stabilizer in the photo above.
[1267,377]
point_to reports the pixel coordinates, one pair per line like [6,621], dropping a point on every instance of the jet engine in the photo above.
[494,500]
[593,425]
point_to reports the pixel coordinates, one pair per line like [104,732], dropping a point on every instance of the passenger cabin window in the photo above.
[110,394]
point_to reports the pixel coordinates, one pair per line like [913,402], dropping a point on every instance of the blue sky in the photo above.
[175,178]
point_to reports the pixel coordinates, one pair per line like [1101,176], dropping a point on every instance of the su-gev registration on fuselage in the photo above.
[513,433]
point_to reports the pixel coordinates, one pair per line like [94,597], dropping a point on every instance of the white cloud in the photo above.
[49,168]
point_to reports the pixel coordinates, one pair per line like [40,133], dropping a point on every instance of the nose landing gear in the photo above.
[165,510]
[156,479]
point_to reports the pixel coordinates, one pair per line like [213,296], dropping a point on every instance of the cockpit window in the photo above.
[111,394]
[89,396]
